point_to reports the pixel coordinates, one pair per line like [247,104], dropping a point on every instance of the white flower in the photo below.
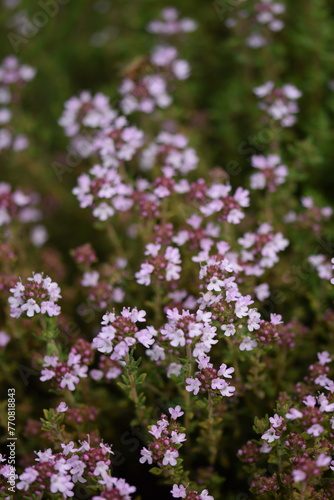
[270,435]
[90,278]
[62,407]
[193,385]
[228,330]
[31,307]
[146,456]
[293,414]
[298,475]
[61,483]
[170,458]
[247,344]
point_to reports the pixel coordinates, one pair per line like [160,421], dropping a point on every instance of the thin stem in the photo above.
[51,345]
[158,303]
[267,206]
[113,237]
[303,492]
[235,354]
[186,393]
[212,444]
[133,391]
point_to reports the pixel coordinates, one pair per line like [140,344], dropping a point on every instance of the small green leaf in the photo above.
[156,471]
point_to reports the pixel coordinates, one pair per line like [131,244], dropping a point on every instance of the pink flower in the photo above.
[31,307]
[37,295]
[310,401]
[176,412]
[146,456]
[4,338]
[276,421]
[270,435]
[276,319]
[178,438]
[228,330]
[293,414]
[298,475]
[193,385]
[62,407]
[247,344]
[323,460]
[315,430]
[225,372]
[170,24]
[170,458]
[179,491]
[227,391]
[146,336]
[62,483]
[324,357]
[279,103]
[26,478]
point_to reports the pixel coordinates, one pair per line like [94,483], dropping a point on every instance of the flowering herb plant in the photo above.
[167,325]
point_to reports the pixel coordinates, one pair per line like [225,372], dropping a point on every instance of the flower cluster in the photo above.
[37,295]
[170,23]
[263,17]
[117,142]
[115,488]
[279,103]
[323,267]
[267,332]
[272,172]
[223,205]
[209,380]
[260,249]
[84,255]
[96,128]
[168,438]
[146,87]
[120,332]
[14,74]
[64,374]
[312,217]
[13,77]
[102,289]
[104,283]
[192,331]
[144,95]
[103,190]
[203,277]
[302,428]
[86,112]
[60,472]
[162,264]
[181,491]
[108,369]
[171,152]
[223,298]
[165,59]
[197,235]
[17,205]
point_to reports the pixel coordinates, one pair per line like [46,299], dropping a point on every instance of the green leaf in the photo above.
[156,471]
[141,378]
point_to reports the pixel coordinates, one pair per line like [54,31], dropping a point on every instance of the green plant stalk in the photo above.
[187,400]
[133,391]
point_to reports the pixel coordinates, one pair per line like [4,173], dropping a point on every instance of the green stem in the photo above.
[303,492]
[211,437]
[235,354]
[158,304]
[114,238]
[133,391]
[187,400]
